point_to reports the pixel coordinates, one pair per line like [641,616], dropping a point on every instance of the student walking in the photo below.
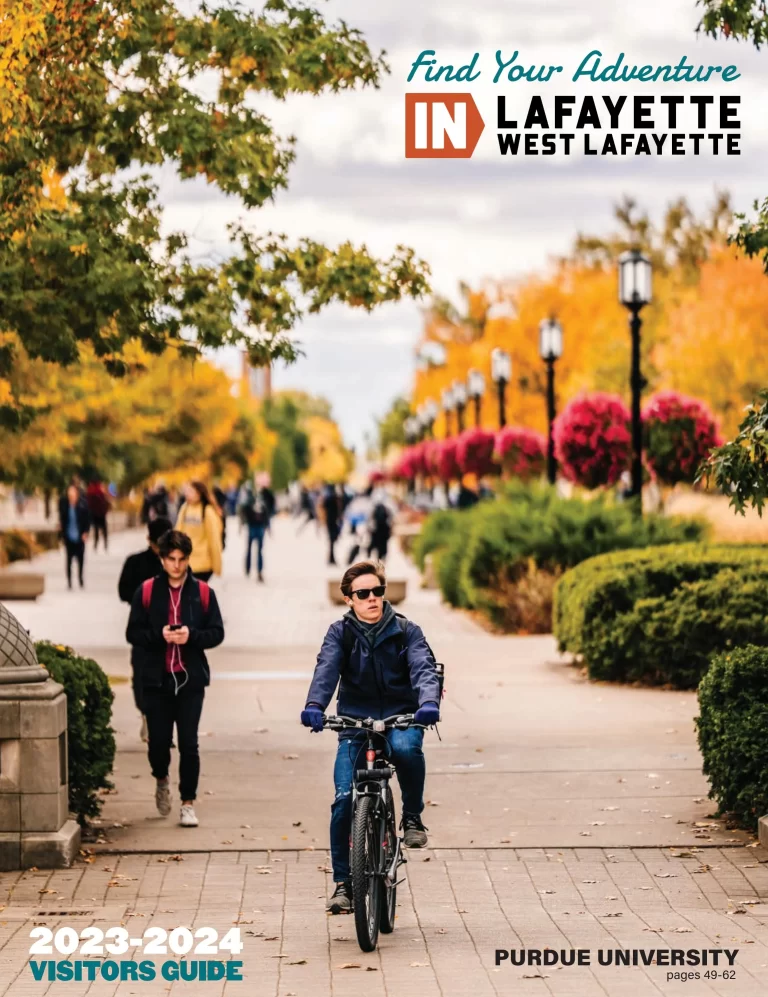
[332,512]
[74,526]
[201,522]
[98,505]
[256,507]
[136,570]
[174,619]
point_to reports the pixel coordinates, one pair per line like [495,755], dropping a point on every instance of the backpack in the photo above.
[348,642]
[146,593]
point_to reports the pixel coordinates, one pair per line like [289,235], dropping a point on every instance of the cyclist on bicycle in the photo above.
[383,666]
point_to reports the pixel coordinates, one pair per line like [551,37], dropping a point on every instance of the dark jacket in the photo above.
[145,631]
[378,683]
[83,516]
[136,570]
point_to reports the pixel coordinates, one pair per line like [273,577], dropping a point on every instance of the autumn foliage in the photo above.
[679,434]
[593,442]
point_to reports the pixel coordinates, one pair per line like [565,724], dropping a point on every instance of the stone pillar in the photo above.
[35,829]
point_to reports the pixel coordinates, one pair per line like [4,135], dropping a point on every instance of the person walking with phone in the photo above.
[175,619]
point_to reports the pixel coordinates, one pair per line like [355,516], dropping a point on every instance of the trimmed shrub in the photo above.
[521,452]
[733,700]
[656,615]
[593,443]
[91,740]
[436,532]
[484,554]
[679,433]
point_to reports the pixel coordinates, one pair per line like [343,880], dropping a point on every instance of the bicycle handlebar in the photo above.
[400,722]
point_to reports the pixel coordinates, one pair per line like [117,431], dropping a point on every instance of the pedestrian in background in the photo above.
[74,526]
[332,516]
[200,521]
[98,505]
[256,506]
[136,570]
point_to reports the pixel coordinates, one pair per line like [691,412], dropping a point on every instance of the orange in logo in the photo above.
[441,125]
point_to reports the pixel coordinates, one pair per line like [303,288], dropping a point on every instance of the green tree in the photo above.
[391,428]
[291,455]
[90,89]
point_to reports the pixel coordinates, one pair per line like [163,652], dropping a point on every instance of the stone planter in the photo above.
[21,585]
[397,589]
[35,829]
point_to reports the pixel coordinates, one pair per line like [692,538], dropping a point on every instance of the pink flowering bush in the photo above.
[521,452]
[678,434]
[444,460]
[593,441]
[474,452]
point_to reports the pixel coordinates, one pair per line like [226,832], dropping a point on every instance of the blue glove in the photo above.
[313,717]
[427,714]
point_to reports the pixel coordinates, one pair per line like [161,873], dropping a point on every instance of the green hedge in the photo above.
[733,729]
[657,615]
[483,552]
[91,740]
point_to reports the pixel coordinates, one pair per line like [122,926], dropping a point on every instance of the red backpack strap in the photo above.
[146,592]
[205,595]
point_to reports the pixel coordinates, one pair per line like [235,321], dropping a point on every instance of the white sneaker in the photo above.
[163,798]
[188,816]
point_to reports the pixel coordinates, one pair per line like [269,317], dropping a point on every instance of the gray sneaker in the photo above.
[341,901]
[163,798]
[415,835]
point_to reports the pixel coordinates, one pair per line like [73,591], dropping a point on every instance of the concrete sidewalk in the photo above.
[532,755]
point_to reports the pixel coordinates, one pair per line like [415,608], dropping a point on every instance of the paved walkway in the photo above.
[542,782]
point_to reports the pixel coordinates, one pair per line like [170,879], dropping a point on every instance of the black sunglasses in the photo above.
[363,594]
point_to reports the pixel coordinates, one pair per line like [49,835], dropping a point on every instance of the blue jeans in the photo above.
[255,533]
[404,750]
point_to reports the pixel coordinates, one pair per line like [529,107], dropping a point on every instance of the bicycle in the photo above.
[376,850]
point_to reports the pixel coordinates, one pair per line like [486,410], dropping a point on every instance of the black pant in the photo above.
[333,536]
[74,549]
[380,544]
[99,524]
[163,708]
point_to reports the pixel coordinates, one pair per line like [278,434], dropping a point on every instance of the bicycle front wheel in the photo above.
[366,881]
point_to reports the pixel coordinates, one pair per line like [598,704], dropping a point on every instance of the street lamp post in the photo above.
[634,294]
[460,403]
[550,350]
[411,429]
[476,388]
[429,409]
[501,372]
[448,404]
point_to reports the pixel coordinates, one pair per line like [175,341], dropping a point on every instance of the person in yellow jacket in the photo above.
[201,522]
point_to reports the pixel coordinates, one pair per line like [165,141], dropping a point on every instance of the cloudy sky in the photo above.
[487,217]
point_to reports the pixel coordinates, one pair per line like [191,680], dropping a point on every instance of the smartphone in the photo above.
[175,626]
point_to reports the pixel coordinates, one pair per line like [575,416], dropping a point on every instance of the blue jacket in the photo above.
[375,684]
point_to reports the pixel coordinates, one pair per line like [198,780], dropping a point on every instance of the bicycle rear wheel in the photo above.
[366,882]
[388,894]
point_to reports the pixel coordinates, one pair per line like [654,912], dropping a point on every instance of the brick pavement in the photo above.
[454,910]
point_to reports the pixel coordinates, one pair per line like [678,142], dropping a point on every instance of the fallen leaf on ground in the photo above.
[609,808]
[290,758]
[616,913]
[297,823]
[585,834]
[682,931]
[416,965]
[665,875]
[271,938]
[432,803]
[371,969]
[297,962]
[535,976]
[597,823]
[545,891]
[349,965]
[590,881]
